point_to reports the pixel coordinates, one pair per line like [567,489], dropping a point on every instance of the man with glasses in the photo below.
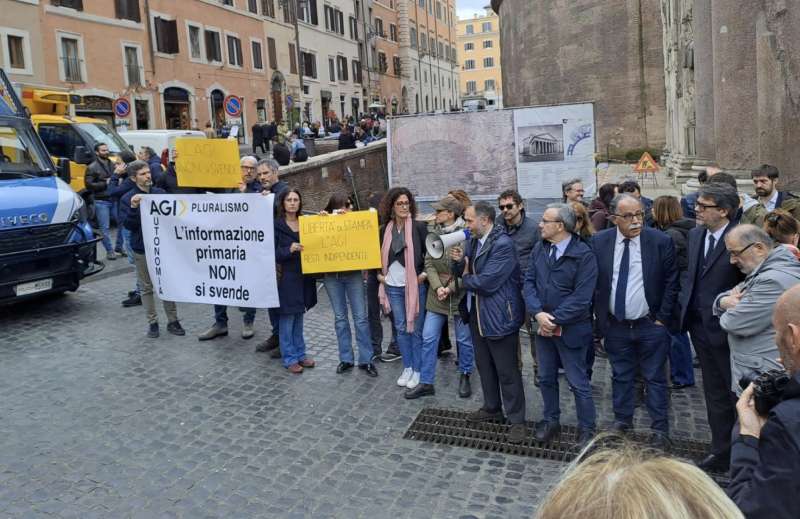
[249,184]
[558,290]
[710,272]
[572,191]
[637,287]
[745,310]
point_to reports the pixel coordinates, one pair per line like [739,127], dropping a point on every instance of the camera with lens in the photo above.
[767,389]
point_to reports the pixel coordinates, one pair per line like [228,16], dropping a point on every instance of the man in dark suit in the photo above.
[710,273]
[637,287]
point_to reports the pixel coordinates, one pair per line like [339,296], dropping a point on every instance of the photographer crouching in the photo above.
[765,456]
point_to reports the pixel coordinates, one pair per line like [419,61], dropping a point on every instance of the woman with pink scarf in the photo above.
[403,282]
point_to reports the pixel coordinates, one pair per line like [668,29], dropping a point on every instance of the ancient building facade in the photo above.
[607,52]
[733,84]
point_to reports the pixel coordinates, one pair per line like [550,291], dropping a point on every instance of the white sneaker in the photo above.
[413,381]
[405,376]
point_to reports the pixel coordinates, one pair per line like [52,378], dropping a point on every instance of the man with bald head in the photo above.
[765,456]
[744,311]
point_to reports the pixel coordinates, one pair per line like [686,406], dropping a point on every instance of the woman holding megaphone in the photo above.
[402,278]
[444,295]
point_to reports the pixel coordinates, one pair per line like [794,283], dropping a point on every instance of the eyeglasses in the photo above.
[551,221]
[738,253]
[506,207]
[702,207]
[631,216]
[402,204]
[248,168]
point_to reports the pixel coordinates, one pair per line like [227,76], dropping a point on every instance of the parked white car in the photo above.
[159,140]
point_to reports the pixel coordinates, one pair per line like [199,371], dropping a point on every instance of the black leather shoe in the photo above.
[464,387]
[275,354]
[660,441]
[482,415]
[343,367]
[585,436]
[175,328]
[517,433]
[268,345]
[420,390]
[369,369]
[133,300]
[714,463]
[547,431]
[152,332]
[678,387]
[620,428]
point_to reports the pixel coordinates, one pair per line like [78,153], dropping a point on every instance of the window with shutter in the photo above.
[313,5]
[166,36]
[268,8]
[258,63]
[127,10]
[331,70]
[273,54]
[213,47]
[252,6]
[234,51]
[292,59]
[341,22]
[72,4]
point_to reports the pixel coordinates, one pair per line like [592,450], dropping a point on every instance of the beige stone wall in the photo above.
[608,52]
[22,19]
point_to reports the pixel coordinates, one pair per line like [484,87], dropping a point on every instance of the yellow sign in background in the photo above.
[207,163]
[340,242]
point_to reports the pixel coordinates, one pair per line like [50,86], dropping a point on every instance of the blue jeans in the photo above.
[221,315]
[552,351]
[293,346]
[644,347]
[102,210]
[343,287]
[129,251]
[680,360]
[431,332]
[410,343]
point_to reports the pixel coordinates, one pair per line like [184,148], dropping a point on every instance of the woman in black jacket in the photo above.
[297,292]
[403,288]
[668,217]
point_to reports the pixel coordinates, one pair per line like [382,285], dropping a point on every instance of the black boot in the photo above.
[464,387]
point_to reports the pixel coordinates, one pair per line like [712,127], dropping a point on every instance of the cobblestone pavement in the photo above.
[98,421]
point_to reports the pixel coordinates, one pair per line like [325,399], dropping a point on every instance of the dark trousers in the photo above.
[274,319]
[715,364]
[552,352]
[221,315]
[644,347]
[374,312]
[497,359]
[264,147]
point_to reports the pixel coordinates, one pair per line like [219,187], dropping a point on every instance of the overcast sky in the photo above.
[465,8]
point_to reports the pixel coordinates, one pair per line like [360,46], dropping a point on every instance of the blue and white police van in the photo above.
[46,242]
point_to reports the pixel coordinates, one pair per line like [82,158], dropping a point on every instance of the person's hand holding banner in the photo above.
[340,242]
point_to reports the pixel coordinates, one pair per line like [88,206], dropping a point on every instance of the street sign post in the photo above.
[233,105]
[122,107]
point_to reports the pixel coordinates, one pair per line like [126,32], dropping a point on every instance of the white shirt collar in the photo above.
[773,200]
[621,238]
[718,233]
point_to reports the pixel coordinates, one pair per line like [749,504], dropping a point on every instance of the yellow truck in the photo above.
[65,135]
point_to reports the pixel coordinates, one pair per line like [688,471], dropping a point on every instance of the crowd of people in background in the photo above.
[641,282]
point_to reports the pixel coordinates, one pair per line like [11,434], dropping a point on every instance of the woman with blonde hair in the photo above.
[784,229]
[583,224]
[632,484]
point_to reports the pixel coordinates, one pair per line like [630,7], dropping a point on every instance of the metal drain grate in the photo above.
[450,427]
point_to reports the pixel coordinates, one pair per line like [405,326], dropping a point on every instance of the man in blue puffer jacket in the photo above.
[493,306]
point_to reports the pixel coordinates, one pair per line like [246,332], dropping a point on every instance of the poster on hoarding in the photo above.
[211,249]
[554,144]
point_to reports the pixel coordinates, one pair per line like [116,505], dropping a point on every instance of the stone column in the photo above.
[704,81]
[733,25]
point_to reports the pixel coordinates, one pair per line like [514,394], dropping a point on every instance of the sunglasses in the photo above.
[506,207]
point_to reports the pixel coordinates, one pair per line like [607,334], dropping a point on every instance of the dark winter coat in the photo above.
[97,176]
[598,214]
[679,232]
[525,236]
[564,288]
[116,190]
[419,232]
[765,471]
[297,292]
[281,153]
[133,220]
[494,279]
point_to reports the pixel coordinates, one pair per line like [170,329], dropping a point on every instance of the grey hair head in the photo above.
[723,196]
[566,214]
[566,186]
[247,158]
[749,234]
[485,209]
[134,167]
[270,163]
[619,198]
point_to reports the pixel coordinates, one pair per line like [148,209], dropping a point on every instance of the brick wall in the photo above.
[326,174]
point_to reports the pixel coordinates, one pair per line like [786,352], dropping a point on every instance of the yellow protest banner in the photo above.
[207,163]
[340,242]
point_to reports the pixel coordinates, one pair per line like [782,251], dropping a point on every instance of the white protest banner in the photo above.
[212,249]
